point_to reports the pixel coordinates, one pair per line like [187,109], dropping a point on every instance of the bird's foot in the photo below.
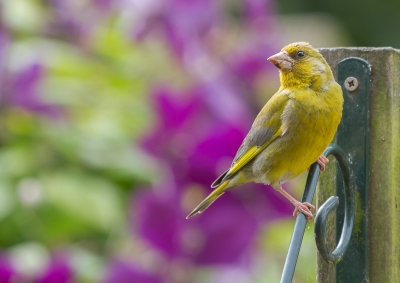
[322,161]
[305,208]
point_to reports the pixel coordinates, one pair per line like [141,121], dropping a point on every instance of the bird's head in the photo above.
[301,64]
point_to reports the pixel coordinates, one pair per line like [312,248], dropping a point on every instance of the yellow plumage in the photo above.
[293,128]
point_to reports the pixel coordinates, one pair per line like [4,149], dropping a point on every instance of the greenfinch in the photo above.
[291,131]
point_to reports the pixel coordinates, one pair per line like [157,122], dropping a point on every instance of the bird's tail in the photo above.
[219,191]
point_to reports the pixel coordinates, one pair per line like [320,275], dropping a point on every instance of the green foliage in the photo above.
[65,180]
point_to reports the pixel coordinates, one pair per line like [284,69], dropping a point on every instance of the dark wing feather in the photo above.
[265,129]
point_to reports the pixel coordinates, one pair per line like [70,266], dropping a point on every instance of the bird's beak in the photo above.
[282,61]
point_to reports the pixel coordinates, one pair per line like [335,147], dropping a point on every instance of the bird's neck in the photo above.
[291,81]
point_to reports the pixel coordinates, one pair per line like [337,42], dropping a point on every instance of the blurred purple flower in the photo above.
[4,41]
[182,22]
[76,22]
[196,135]
[190,124]
[192,113]
[104,5]
[215,238]
[58,271]
[66,23]
[24,91]
[198,143]
[7,272]
[247,64]
[224,234]
[225,101]
[4,45]
[171,137]
[195,140]
[218,144]
[257,10]
[119,271]
[191,139]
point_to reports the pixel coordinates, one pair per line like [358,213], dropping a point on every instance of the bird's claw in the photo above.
[305,208]
[322,161]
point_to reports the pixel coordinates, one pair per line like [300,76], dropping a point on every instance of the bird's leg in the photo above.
[322,161]
[304,207]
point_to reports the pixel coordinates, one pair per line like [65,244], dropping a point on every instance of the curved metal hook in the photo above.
[330,205]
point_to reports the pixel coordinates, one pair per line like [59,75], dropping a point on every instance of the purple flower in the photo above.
[119,271]
[58,271]
[185,118]
[247,64]
[172,135]
[66,23]
[182,22]
[257,10]
[8,273]
[25,92]
[23,87]
[221,236]
[227,102]
[192,135]
[197,141]
[4,45]
[104,5]
[196,135]
[77,23]
[213,152]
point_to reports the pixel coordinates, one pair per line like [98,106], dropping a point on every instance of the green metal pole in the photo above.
[320,219]
[300,226]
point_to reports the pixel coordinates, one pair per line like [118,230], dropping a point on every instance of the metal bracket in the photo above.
[354,75]
[349,213]
[353,138]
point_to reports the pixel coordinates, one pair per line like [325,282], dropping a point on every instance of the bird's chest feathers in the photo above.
[308,119]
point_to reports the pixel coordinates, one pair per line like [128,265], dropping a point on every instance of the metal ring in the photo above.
[330,205]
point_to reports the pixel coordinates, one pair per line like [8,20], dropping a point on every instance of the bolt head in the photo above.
[351,83]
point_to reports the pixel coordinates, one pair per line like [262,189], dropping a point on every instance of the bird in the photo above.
[291,131]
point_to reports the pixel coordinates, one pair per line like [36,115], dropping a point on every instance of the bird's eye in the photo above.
[301,54]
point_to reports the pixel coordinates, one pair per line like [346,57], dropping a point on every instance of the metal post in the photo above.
[370,135]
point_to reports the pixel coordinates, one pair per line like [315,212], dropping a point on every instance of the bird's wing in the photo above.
[266,128]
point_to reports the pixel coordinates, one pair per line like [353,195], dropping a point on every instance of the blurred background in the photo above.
[117,115]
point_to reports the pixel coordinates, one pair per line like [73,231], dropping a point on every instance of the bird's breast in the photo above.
[307,131]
